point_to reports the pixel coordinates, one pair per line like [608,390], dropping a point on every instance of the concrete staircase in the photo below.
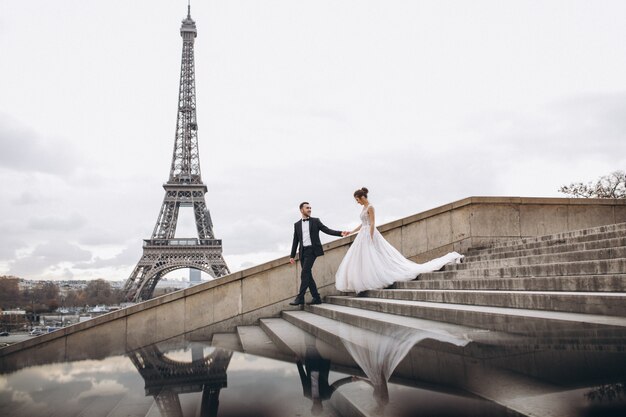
[546,318]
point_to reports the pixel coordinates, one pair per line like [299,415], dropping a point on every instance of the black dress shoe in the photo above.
[316,301]
[296,303]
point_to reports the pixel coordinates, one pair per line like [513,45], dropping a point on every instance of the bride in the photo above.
[372,263]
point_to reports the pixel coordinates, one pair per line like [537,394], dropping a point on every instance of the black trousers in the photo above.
[307,259]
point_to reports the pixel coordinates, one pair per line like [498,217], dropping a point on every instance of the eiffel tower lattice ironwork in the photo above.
[165,379]
[163,253]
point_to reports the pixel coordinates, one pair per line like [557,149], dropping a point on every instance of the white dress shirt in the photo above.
[306,235]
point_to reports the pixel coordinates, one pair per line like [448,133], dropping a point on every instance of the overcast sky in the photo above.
[423,102]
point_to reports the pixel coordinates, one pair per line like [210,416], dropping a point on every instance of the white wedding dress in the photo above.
[372,263]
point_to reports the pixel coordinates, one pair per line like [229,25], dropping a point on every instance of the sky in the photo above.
[423,102]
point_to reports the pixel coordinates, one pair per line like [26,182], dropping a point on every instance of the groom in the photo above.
[306,235]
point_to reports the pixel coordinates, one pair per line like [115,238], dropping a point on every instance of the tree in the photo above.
[98,291]
[607,186]
[9,292]
[75,299]
[46,296]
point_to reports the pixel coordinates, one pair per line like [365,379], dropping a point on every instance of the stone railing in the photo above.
[265,290]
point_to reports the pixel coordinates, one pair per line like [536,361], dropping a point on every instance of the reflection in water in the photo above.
[378,354]
[608,392]
[607,400]
[433,371]
[314,373]
[166,378]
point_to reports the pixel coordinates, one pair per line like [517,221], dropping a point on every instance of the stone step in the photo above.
[295,342]
[356,400]
[586,255]
[592,231]
[606,303]
[228,341]
[256,342]
[545,245]
[333,324]
[422,364]
[513,320]
[334,333]
[287,337]
[435,333]
[521,245]
[432,334]
[571,247]
[589,283]
[461,371]
[485,343]
[595,267]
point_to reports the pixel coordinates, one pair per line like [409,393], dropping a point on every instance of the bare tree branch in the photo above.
[608,186]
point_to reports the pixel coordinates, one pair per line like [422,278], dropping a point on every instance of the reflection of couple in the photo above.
[314,374]
[376,353]
[371,262]
[314,378]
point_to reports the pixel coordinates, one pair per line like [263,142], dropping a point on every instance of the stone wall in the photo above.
[265,290]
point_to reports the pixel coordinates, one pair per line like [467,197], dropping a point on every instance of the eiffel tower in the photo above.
[163,253]
[165,379]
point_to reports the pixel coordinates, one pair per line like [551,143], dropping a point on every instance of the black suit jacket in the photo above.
[315,226]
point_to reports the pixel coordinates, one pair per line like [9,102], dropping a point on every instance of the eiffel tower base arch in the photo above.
[172,254]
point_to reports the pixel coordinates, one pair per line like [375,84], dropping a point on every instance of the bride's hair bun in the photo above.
[362,192]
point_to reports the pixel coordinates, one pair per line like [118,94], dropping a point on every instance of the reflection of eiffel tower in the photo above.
[162,253]
[165,378]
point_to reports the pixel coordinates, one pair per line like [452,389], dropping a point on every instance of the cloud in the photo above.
[102,388]
[71,222]
[254,233]
[578,126]
[49,257]
[25,150]
[79,380]
[9,240]
[61,252]
[128,256]
[26,198]
[98,236]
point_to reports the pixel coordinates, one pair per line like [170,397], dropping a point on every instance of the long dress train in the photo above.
[372,263]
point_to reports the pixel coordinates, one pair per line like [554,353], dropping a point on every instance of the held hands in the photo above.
[344,234]
[291,261]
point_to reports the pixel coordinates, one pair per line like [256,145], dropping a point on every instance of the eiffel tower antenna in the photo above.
[163,253]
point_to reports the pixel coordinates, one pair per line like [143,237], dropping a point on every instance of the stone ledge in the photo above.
[325,274]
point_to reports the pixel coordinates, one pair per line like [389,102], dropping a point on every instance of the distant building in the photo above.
[13,320]
[195,276]
[14,312]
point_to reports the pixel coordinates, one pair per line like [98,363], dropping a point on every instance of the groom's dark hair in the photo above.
[303,203]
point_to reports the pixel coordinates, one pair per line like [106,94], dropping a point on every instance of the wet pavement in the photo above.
[389,373]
